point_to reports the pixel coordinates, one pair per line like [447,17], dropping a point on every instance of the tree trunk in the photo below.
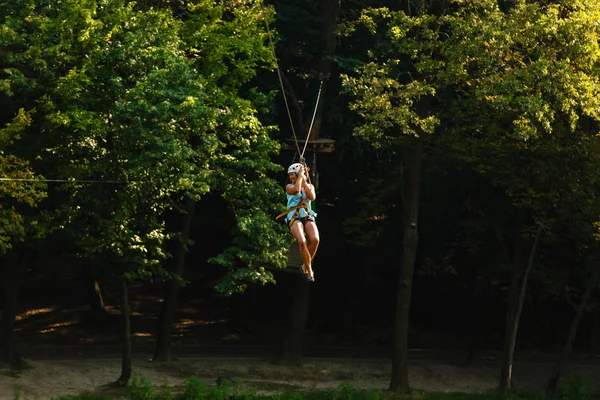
[560,366]
[513,300]
[293,341]
[93,292]
[594,331]
[515,306]
[126,338]
[17,262]
[162,351]
[411,189]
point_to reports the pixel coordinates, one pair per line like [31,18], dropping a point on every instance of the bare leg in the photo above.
[312,232]
[298,233]
[313,237]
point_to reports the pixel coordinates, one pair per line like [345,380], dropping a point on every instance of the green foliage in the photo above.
[141,388]
[536,84]
[389,91]
[87,396]
[241,164]
[525,139]
[223,391]
[347,391]
[511,71]
[164,392]
[17,194]
[255,246]
[291,396]
[525,394]
[501,94]
[227,40]
[196,389]
[461,396]
[153,114]
[576,388]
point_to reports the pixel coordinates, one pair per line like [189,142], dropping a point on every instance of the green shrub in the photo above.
[576,388]
[17,393]
[461,396]
[141,388]
[164,392]
[289,396]
[195,389]
[525,394]
[241,392]
[87,396]
[346,391]
[223,391]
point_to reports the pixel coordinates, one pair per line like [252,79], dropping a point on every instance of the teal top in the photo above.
[294,200]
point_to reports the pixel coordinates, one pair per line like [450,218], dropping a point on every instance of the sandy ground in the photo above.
[68,356]
[49,379]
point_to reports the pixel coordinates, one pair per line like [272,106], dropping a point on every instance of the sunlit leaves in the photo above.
[151,108]
[256,246]
[146,106]
[537,61]
[387,105]
[227,41]
[19,189]
[390,90]
[515,93]
[12,130]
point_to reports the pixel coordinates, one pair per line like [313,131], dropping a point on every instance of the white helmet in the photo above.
[294,168]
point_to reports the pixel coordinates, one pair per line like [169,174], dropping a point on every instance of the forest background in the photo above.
[144,148]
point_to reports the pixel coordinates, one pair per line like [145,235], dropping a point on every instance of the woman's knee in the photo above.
[302,244]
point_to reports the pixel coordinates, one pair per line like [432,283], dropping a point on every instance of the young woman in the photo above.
[300,218]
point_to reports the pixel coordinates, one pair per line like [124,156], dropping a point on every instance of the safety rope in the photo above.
[313,118]
[301,153]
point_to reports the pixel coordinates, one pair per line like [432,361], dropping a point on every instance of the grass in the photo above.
[141,388]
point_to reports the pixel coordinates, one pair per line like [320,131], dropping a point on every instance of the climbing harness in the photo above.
[311,214]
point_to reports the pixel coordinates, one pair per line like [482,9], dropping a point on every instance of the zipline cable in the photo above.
[58,180]
[313,119]
[287,107]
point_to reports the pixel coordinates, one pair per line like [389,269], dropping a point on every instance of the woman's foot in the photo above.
[304,276]
[307,273]
[310,274]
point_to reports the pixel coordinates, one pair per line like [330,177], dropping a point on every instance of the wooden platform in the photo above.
[320,145]
[294,261]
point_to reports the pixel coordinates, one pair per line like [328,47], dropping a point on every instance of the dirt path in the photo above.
[50,378]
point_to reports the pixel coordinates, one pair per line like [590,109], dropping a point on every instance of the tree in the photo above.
[398,116]
[431,68]
[228,45]
[126,114]
[20,192]
[531,85]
